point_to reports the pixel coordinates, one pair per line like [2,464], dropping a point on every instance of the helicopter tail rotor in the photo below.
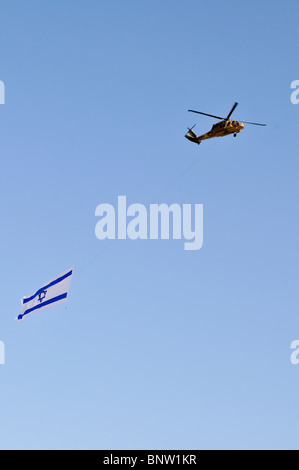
[190,132]
[192,136]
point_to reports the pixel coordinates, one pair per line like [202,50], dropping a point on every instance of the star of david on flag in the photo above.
[52,293]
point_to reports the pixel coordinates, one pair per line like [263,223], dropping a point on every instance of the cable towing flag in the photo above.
[52,293]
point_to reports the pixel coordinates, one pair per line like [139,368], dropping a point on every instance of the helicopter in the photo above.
[225,127]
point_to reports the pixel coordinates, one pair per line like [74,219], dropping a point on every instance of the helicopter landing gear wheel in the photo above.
[235,135]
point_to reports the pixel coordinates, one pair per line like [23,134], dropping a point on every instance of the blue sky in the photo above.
[157,347]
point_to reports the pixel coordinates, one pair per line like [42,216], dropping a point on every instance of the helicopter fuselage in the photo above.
[222,128]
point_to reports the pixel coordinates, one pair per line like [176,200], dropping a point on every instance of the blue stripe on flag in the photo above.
[47,302]
[56,281]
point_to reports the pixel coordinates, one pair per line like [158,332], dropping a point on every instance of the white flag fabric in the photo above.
[52,293]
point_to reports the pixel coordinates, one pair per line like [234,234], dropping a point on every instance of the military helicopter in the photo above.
[225,127]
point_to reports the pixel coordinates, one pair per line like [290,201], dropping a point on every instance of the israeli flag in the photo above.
[52,293]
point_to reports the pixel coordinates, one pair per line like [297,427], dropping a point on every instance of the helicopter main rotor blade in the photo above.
[205,114]
[227,117]
[253,123]
[231,111]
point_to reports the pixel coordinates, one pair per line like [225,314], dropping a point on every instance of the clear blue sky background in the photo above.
[158,347]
